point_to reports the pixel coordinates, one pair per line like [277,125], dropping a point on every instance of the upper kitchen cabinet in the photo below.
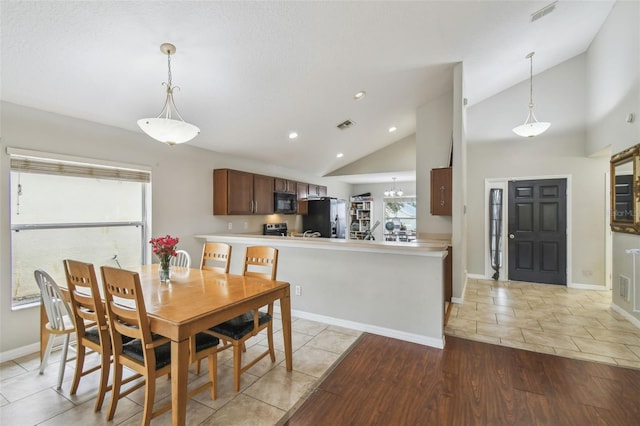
[241,193]
[441,193]
[303,193]
[285,185]
[317,190]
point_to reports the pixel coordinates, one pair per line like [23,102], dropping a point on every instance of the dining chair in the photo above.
[147,354]
[216,257]
[92,329]
[181,259]
[260,262]
[60,320]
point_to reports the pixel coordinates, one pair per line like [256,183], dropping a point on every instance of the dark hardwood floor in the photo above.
[384,381]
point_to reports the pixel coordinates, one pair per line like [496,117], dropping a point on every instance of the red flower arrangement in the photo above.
[165,249]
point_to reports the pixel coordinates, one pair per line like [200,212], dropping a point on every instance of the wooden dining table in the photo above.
[195,300]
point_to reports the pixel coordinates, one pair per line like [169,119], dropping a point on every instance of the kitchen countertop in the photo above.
[424,246]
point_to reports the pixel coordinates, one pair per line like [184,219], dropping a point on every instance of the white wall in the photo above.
[182,190]
[434,124]
[613,82]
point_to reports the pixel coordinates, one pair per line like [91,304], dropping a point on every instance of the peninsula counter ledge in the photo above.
[388,288]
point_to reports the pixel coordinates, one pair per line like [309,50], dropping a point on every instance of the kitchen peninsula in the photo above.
[386,288]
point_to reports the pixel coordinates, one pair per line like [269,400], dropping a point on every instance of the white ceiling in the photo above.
[251,72]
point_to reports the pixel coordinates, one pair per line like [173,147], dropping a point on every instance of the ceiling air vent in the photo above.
[345,124]
[544,11]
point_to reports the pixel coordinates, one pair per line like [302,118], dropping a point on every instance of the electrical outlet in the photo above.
[298,290]
[230,226]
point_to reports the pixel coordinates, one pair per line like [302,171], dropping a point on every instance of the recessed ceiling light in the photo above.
[339,155]
[293,135]
[392,129]
[361,94]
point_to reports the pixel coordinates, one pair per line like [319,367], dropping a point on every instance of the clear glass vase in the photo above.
[165,272]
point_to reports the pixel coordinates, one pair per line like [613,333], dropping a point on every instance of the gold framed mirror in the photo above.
[625,191]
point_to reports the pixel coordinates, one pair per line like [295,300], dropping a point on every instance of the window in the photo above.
[62,209]
[399,218]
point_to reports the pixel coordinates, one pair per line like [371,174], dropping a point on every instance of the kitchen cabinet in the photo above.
[317,190]
[303,193]
[360,219]
[441,193]
[241,193]
[285,185]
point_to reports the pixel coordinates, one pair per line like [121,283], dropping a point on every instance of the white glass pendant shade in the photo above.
[168,130]
[531,127]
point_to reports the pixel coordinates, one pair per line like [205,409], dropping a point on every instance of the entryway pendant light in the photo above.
[164,128]
[531,127]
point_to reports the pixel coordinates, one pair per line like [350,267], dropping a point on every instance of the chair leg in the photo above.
[80,353]
[47,352]
[237,365]
[198,366]
[105,366]
[149,396]
[63,360]
[115,389]
[213,373]
[272,352]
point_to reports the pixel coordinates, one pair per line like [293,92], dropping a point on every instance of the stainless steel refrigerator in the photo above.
[326,215]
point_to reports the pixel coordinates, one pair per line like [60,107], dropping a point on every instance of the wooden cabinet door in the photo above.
[232,192]
[441,194]
[263,194]
[322,191]
[285,185]
[303,190]
[313,190]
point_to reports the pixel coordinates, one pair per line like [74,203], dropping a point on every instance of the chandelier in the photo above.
[531,127]
[393,192]
[164,128]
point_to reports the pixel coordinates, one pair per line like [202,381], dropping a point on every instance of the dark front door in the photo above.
[538,231]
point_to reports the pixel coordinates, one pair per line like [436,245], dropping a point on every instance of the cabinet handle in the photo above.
[442,195]
[251,206]
[256,207]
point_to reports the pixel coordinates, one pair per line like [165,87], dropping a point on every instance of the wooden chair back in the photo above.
[126,310]
[216,257]
[86,302]
[261,262]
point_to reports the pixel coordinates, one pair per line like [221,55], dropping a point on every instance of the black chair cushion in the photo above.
[93,335]
[206,341]
[236,329]
[133,349]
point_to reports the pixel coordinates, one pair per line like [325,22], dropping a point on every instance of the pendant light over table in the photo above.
[164,127]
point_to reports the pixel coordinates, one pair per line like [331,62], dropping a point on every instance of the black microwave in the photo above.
[284,203]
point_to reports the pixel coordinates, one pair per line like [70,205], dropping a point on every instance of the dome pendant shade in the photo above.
[164,128]
[531,127]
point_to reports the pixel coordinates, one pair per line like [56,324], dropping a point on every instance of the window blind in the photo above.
[57,167]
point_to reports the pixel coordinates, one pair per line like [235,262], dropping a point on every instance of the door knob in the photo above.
[511,236]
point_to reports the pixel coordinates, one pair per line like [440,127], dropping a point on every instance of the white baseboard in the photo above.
[382,331]
[477,276]
[586,286]
[19,352]
[633,320]
[457,300]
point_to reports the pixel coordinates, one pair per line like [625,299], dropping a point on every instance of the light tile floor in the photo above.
[546,318]
[267,391]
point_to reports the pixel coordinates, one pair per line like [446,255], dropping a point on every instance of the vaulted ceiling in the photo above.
[251,72]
